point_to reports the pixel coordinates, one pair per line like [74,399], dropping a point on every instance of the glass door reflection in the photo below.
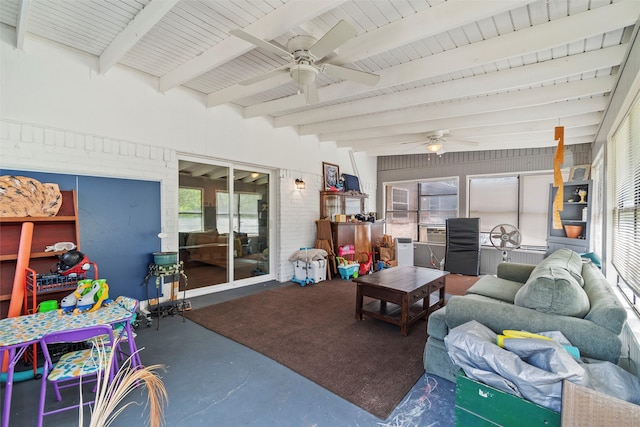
[250,224]
[223,224]
[203,238]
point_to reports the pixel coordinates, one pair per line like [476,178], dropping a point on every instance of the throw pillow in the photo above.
[568,259]
[553,290]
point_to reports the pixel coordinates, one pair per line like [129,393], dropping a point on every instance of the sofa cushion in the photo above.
[553,290]
[567,259]
[496,288]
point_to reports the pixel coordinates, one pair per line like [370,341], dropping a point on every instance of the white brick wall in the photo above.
[298,211]
[27,147]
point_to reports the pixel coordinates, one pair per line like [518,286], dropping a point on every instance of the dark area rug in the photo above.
[313,331]
[457,284]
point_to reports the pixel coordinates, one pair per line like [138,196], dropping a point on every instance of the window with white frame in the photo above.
[400,202]
[624,149]
[415,206]
[521,200]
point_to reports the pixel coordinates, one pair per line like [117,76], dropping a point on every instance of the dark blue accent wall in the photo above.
[119,225]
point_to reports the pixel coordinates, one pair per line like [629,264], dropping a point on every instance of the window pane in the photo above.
[534,207]
[190,216]
[420,204]
[438,201]
[189,222]
[449,186]
[494,201]
[249,203]
[189,200]
[402,196]
[402,225]
[249,213]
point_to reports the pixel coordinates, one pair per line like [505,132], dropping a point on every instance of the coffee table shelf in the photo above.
[403,295]
[392,313]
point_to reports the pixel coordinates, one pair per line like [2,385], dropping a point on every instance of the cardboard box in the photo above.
[478,404]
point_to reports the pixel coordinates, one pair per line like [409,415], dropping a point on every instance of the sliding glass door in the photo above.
[250,224]
[223,220]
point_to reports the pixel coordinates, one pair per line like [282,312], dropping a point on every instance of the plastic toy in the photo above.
[302,282]
[69,303]
[347,269]
[72,263]
[382,265]
[306,280]
[346,250]
[365,267]
[95,298]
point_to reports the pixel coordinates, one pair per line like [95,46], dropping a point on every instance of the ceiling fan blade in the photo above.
[514,242]
[349,74]
[268,75]
[463,142]
[311,93]
[502,230]
[338,35]
[241,34]
[503,243]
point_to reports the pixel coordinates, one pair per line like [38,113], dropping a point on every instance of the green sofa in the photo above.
[562,293]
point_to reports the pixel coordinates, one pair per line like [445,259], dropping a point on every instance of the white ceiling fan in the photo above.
[436,141]
[306,55]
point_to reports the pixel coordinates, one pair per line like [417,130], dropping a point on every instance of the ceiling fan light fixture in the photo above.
[434,147]
[303,74]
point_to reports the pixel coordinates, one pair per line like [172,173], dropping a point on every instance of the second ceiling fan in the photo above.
[306,55]
[436,141]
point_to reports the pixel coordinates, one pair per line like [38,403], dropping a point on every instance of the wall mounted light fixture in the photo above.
[299,184]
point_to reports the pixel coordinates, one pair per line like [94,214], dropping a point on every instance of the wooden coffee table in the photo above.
[404,287]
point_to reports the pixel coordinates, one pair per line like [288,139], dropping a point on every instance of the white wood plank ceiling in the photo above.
[482,74]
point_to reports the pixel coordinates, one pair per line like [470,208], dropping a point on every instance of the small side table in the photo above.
[160,271]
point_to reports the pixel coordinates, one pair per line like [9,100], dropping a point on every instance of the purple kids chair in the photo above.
[75,367]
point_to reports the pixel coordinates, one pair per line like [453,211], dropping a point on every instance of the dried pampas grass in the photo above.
[109,396]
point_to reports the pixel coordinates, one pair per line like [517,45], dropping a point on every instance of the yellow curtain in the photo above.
[557,178]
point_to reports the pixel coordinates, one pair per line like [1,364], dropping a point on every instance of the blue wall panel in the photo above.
[119,225]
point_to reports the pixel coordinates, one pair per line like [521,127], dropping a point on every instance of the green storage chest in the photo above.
[479,405]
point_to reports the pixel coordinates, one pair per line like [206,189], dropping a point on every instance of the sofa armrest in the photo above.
[606,309]
[593,340]
[514,271]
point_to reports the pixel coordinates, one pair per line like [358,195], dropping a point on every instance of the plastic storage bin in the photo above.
[309,272]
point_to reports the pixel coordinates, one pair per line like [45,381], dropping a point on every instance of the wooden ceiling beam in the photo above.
[526,41]
[280,20]
[420,25]
[139,26]
[452,148]
[498,81]
[499,102]
[555,111]
[24,9]
[473,133]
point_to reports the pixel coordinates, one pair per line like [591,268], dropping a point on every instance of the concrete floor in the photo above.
[212,380]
